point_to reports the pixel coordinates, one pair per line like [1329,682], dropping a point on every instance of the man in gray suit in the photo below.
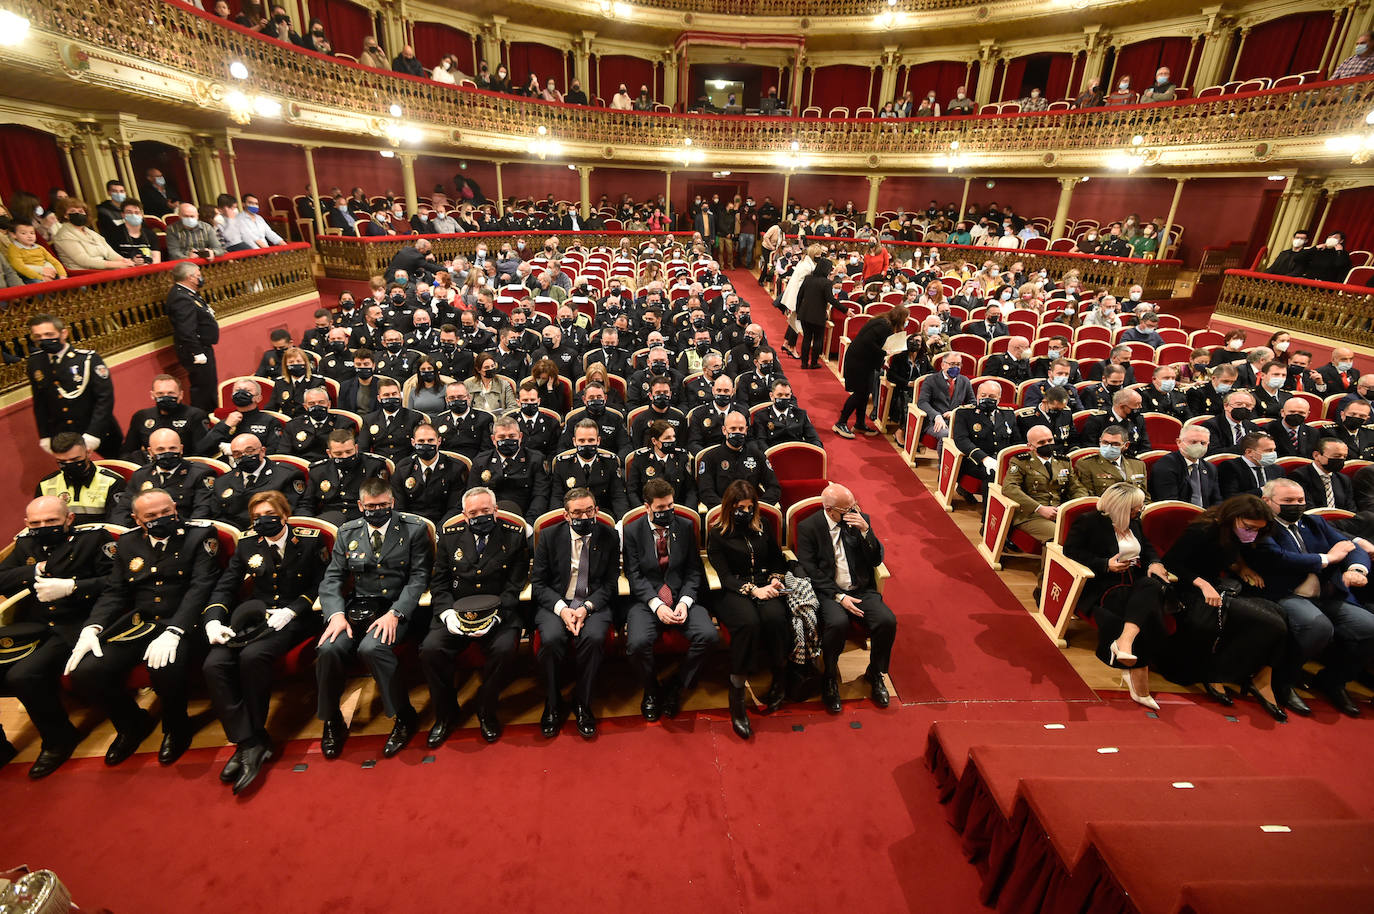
[387,555]
[942,392]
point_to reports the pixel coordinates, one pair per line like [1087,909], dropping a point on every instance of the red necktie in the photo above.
[661,546]
[951,389]
[1299,383]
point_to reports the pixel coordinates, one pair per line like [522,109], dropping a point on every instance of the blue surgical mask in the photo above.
[952,371]
[1059,380]
[133,220]
[1269,458]
[1223,387]
[252,208]
[1110,451]
[1054,353]
[1167,385]
[189,222]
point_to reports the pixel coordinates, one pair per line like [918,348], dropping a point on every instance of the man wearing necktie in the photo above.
[191,485]
[253,472]
[1234,423]
[576,566]
[1185,475]
[664,569]
[1256,465]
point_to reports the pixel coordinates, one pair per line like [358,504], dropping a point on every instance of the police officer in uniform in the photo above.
[64,567]
[481,564]
[385,556]
[1014,364]
[1125,412]
[71,388]
[982,430]
[253,472]
[387,431]
[611,354]
[1162,395]
[736,458]
[1098,472]
[783,420]
[337,359]
[1053,413]
[515,473]
[247,418]
[752,387]
[539,430]
[641,385]
[262,607]
[660,409]
[1209,398]
[190,423]
[89,491]
[697,390]
[1039,481]
[395,361]
[588,466]
[661,459]
[194,334]
[610,422]
[461,428]
[148,612]
[307,435]
[191,485]
[269,366]
[706,423]
[336,479]
[429,483]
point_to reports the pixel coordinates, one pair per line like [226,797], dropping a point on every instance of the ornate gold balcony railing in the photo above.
[1323,309]
[122,311]
[329,94]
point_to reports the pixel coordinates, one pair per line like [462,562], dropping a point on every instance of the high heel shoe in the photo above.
[1217,695]
[1147,700]
[1273,710]
[1118,656]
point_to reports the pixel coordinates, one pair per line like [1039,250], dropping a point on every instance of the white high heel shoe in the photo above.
[1120,656]
[1145,700]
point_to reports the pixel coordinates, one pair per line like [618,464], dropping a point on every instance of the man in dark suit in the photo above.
[704,224]
[253,472]
[194,334]
[1309,569]
[1209,398]
[1340,374]
[1322,481]
[841,554]
[576,566]
[1292,434]
[1269,392]
[1247,474]
[1184,475]
[340,218]
[1233,425]
[1292,261]
[191,485]
[981,431]
[991,326]
[413,262]
[942,392]
[663,566]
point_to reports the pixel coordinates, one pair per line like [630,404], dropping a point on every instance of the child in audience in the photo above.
[30,260]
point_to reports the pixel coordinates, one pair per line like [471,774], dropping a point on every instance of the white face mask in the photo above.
[1298,243]
[1332,241]
[1344,366]
[1281,347]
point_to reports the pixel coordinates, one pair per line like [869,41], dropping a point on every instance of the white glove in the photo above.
[49,590]
[450,619]
[88,642]
[216,632]
[92,442]
[45,444]
[278,619]
[199,359]
[162,650]
[990,464]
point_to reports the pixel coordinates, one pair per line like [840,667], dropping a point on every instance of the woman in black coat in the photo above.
[862,363]
[815,298]
[1126,602]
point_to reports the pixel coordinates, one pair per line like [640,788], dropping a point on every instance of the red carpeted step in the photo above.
[1146,865]
[1344,897]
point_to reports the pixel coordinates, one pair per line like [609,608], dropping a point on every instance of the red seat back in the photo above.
[1164,521]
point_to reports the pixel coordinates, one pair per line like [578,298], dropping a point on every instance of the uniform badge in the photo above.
[301,435]
[486,475]
[299,486]
[109,550]
[770,426]
[410,483]
[65,496]
[227,493]
[572,482]
[6,642]
[443,430]
[649,471]
[255,562]
[286,395]
[38,376]
[457,555]
[101,371]
[149,423]
[977,426]
[376,429]
[353,545]
[725,464]
[212,545]
[178,423]
[706,423]
[136,563]
[750,463]
[325,485]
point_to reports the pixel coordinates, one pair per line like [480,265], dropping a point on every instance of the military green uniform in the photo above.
[1059,422]
[1096,474]
[1033,485]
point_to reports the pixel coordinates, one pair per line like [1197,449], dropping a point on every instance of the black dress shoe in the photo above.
[776,694]
[738,718]
[552,720]
[332,740]
[401,732]
[489,724]
[230,772]
[50,758]
[174,744]
[253,761]
[586,722]
[1293,702]
[878,689]
[440,731]
[830,694]
[1217,695]
[1335,693]
[672,699]
[650,706]
[1273,710]
[126,744]
[7,751]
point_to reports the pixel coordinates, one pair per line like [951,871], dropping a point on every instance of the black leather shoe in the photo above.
[230,772]
[672,699]
[125,745]
[489,724]
[738,718]
[7,751]
[586,722]
[401,732]
[332,740]
[440,731]
[174,743]
[1335,693]
[776,694]
[253,761]
[50,758]
[650,706]
[1293,702]
[552,720]
[878,689]
[1273,710]
[830,693]
[1217,695]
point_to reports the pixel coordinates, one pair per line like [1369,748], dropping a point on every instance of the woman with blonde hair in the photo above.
[597,371]
[297,376]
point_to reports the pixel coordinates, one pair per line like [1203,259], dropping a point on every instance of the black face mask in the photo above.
[249,463]
[1045,451]
[658,368]
[338,346]
[703,347]
[268,526]
[582,525]
[426,451]
[722,400]
[1241,414]
[785,403]
[660,401]
[394,348]
[735,439]
[346,305]
[482,524]
[764,368]
[398,299]
[363,373]
[75,473]
[348,464]
[1291,513]
[661,518]
[167,460]
[390,404]
[78,219]
[986,404]
[242,398]
[1353,423]
[587,451]
[1335,464]
[596,408]
[508,447]
[51,347]
[457,407]
[421,329]
[1293,420]
[166,404]
[296,371]
[162,527]
[427,376]
[744,516]
[377,517]
[47,537]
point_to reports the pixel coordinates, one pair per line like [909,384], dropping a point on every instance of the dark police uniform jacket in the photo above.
[639,428]
[189,422]
[436,498]
[194,328]
[266,428]
[468,434]
[86,556]
[331,490]
[769,428]
[336,365]
[541,432]
[191,485]
[522,479]
[602,476]
[501,569]
[1171,403]
[301,437]
[615,436]
[72,392]
[706,425]
[389,437]
[979,434]
[290,584]
[147,589]
[720,466]
[675,468]
[397,575]
[233,490]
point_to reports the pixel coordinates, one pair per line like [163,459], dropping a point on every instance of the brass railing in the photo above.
[171,34]
[1324,309]
[800,8]
[1217,259]
[119,312]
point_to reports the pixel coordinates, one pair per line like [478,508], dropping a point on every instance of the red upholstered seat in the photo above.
[1163,522]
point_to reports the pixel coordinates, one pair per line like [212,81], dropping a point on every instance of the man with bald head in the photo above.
[252,472]
[841,555]
[246,418]
[1039,481]
[1014,364]
[148,611]
[61,568]
[190,484]
[1124,411]
[1340,373]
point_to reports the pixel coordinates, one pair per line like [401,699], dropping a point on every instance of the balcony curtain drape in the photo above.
[1142,59]
[345,25]
[526,57]
[841,85]
[1057,81]
[1011,84]
[614,69]
[944,76]
[1290,44]
[1352,212]
[33,163]
[433,40]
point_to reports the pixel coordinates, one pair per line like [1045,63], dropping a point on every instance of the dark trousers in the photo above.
[813,339]
[203,381]
[381,661]
[1316,624]
[589,645]
[760,632]
[37,682]
[101,681]
[878,620]
[1140,603]
[240,679]
[642,629]
[857,401]
[439,659]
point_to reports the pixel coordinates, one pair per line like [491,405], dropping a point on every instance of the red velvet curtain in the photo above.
[944,76]
[526,57]
[614,69]
[1011,83]
[1057,82]
[432,41]
[29,160]
[842,85]
[1290,44]
[345,25]
[1352,212]
[1142,59]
